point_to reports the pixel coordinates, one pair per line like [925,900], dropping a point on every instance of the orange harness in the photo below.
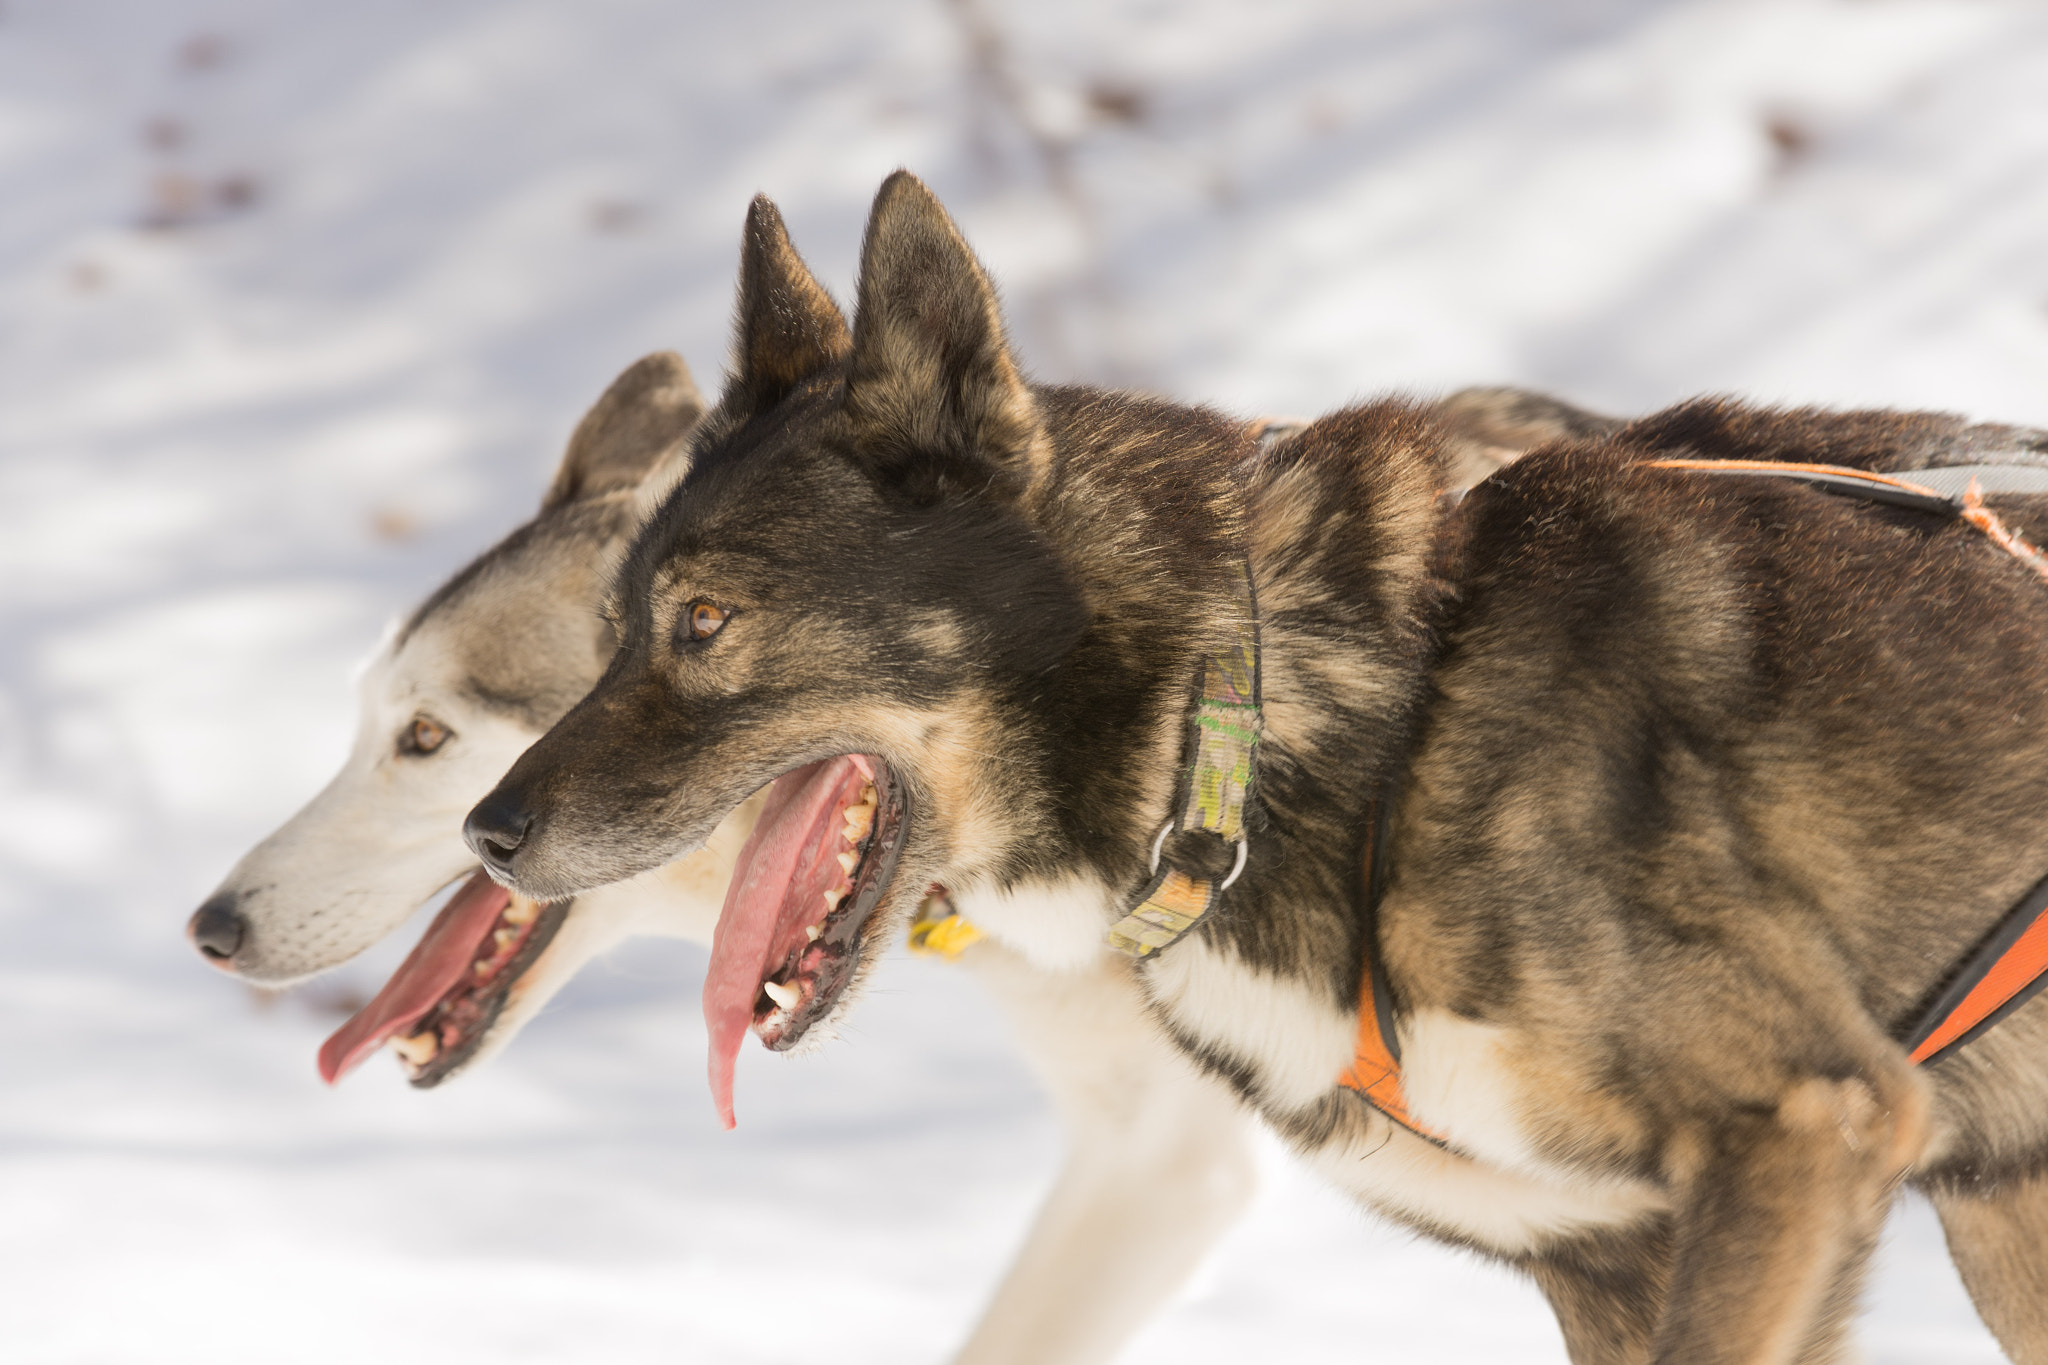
[1375,1070]
[2001,974]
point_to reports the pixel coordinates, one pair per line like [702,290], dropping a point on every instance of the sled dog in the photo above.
[1554,870]
[1158,1162]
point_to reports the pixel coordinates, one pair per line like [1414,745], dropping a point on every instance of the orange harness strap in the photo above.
[1891,488]
[1375,1070]
[2008,969]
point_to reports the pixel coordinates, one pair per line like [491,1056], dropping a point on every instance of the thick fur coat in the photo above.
[1705,782]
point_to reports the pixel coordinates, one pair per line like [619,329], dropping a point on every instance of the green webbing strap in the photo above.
[1225,734]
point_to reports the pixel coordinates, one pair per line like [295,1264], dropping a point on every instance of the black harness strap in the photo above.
[2010,967]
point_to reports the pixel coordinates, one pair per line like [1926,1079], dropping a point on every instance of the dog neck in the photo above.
[1158,512]
[1346,543]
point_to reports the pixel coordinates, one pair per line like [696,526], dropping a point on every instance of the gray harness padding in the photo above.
[1949,441]
[1947,483]
[2003,459]
[1954,480]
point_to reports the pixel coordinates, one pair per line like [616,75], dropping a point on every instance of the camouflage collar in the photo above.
[1223,735]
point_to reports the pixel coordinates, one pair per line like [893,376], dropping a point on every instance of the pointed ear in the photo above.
[932,387]
[789,328]
[646,412]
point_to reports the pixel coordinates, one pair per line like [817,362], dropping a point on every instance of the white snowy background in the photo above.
[297,304]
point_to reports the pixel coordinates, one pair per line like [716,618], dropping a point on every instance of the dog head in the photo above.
[837,598]
[452,697]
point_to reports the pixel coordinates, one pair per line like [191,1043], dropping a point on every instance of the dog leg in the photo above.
[1782,1215]
[1607,1290]
[1159,1165]
[2000,1245]
[1832,1340]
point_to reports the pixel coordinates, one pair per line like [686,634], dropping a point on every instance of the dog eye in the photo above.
[423,736]
[701,621]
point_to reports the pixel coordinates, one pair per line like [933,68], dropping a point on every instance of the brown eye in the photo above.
[423,736]
[701,620]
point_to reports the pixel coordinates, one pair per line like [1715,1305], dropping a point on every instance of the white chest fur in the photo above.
[1492,1186]
[1294,1041]
[1390,1169]
[1459,1082]
[1489,1188]
[1057,928]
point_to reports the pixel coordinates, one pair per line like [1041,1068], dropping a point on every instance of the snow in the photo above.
[297,303]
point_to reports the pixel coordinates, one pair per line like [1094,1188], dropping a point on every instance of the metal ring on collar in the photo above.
[1243,849]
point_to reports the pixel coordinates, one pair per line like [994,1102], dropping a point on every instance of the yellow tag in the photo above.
[947,938]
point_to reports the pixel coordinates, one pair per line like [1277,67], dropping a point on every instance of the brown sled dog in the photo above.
[1695,787]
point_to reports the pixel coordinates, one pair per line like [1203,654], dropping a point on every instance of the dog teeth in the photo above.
[859,820]
[418,1049]
[813,932]
[505,938]
[785,996]
[848,862]
[831,901]
[482,968]
[520,911]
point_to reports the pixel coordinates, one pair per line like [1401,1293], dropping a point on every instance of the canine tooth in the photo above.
[520,911]
[848,862]
[785,996]
[813,932]
[418,1049]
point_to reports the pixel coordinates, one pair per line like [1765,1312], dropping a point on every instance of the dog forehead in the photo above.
[752,536]
[515,633]
[779,467]
[416,672]
[734,574]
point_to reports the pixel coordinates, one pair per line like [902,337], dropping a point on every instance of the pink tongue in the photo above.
[434,966]
[784,870]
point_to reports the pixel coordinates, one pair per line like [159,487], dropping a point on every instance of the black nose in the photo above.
[217,927]
[495,830]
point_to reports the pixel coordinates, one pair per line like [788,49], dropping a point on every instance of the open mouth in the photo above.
[441,1002]
[820,860]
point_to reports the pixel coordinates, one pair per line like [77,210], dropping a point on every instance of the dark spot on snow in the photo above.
[615,216]
[1791,139]
[164,134]
[1115,102]
[203,52]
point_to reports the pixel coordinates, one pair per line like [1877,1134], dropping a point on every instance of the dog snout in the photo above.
[495,830]
[218,928]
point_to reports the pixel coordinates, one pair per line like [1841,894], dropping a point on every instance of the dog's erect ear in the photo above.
[932,386]
[646,412]
[789,328]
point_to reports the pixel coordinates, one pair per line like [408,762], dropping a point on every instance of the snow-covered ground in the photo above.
[297,303]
